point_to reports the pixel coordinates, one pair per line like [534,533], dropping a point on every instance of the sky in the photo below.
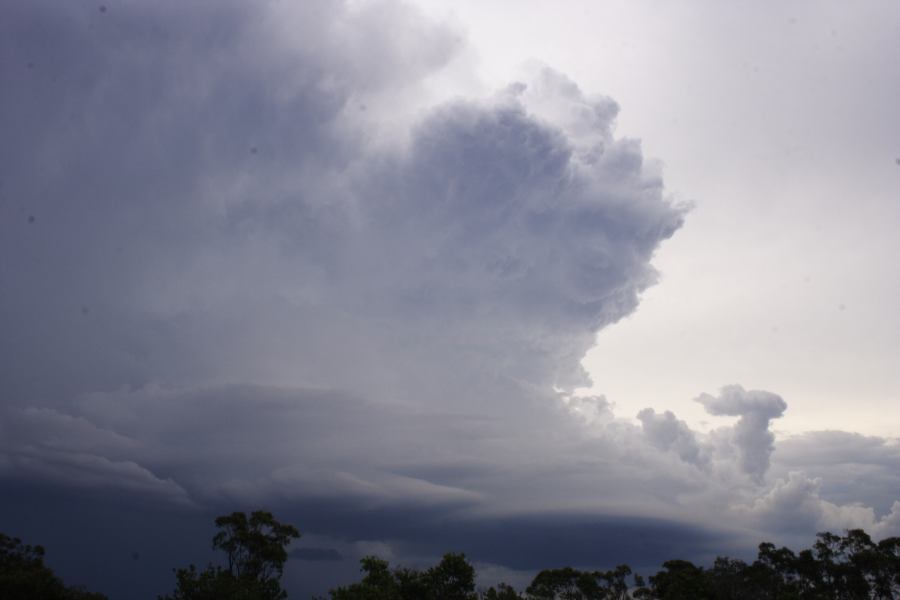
[548,283]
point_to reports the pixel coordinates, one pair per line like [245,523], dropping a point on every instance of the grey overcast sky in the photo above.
[544,282]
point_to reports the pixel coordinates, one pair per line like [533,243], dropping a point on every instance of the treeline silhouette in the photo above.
[848,567]
[24,576]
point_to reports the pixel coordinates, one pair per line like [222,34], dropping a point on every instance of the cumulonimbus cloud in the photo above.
[206,196]
[224,282]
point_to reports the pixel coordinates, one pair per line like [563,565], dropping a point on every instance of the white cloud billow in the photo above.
[750,435]
[795,504]
[666,432]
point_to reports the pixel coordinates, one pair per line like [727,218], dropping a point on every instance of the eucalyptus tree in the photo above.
[256,550]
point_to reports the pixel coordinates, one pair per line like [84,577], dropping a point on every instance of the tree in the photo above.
[886,571]
[378,583]
[503,591]
[564,584]
[451,579]
[680,580]
[616,582]
[24,576]
[848,567]
[256,548]
[571,584]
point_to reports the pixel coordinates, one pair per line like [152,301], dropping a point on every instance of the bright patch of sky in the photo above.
[778,121]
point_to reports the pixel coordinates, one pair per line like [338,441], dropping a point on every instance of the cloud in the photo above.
[795,504]
[750,435]
[667,432]
[209,192]
[266,269]
[186,135]
[849,466]
[316,554]
[46,446]
[423,482]
[94,472]
[592,409]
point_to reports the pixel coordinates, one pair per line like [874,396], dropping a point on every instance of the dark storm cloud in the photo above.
[131,145]
[252,444]
[534,541]
[316,554]
[165,539]
[497,239]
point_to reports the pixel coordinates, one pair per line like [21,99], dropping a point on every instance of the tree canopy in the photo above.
[837,567]
[24,576]
[256,550]
[451,579]
[849,567]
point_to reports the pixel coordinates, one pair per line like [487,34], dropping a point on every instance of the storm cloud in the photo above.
[245,263]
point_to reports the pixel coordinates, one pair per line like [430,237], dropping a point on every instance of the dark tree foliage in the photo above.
[570,584]
[24,576]
[501,592]
[256,549]
[680,579]
[849,567]
[451,579]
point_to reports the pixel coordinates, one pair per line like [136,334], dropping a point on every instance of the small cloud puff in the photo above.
[750,435]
